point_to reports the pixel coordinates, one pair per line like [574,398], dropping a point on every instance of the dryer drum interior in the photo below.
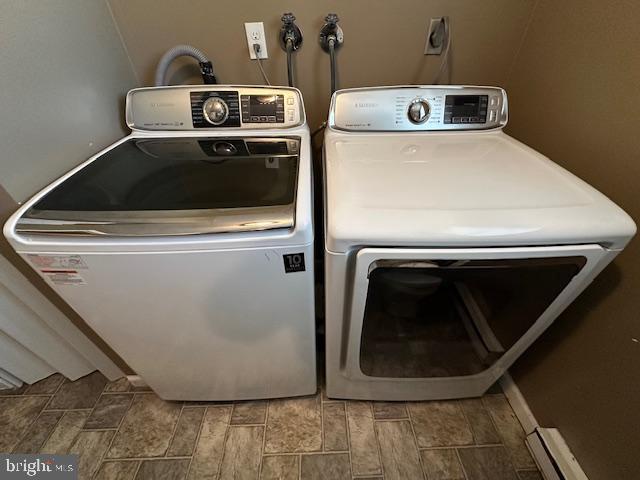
[454,318]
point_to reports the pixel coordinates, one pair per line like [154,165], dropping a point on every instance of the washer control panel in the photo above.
[213,107]
[418,108]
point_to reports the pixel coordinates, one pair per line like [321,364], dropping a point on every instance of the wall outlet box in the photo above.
[255,34]
[436,29]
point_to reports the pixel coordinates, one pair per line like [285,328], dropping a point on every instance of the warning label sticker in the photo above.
[63,277]
[63,262]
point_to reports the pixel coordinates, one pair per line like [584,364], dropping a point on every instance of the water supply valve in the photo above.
[289,32]
[331,34]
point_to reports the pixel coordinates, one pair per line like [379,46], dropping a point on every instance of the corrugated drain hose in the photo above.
[206,68]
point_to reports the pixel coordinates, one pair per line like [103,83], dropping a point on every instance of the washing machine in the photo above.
[450,246]
[188,245]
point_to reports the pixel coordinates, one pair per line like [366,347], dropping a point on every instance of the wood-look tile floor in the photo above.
[121,432]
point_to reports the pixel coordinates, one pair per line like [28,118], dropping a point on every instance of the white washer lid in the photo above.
[458,189]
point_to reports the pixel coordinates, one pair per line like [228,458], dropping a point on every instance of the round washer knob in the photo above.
[419,111]
[215,110]
[224,148]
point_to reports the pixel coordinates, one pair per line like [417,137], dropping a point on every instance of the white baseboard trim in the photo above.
[8,381]
[551,452]
[519,404]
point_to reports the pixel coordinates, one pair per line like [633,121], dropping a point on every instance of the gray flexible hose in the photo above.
[332,57]
[171,55]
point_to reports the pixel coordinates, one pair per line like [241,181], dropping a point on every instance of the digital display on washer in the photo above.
[262,108]
[465,108]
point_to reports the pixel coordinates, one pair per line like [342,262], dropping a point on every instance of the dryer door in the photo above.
[419,314]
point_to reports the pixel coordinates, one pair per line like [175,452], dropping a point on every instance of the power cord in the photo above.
[319,129]
[256,48]
[445,55]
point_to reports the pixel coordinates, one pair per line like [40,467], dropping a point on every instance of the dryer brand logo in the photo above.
[366,104]
[293,262]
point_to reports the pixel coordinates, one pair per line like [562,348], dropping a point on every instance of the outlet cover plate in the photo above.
[255,34]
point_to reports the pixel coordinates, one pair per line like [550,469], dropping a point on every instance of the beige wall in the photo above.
[575,96]
[384,40]
[64,76]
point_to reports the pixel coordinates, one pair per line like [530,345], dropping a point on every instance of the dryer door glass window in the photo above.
[454,318]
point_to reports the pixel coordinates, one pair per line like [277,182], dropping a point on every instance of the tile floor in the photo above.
[121,432]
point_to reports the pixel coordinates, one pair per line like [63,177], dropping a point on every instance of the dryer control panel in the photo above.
[214,107]
[418,108]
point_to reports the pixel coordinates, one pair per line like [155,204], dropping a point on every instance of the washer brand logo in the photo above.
[162,104]
[366,104]
[293,262]
[39,466]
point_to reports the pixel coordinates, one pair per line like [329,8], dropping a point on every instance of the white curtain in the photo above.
[36,339]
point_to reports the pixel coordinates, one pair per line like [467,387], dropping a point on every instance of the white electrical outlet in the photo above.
[255,34]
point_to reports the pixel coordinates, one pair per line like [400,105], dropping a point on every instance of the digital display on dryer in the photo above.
[466,108]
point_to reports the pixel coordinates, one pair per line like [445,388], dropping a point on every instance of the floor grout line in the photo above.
[195,445]
[322,432]
[264,438]
[115,434]
[67,409]
[44,442]
[346,422]
[415,438]
[308,454]
[133,459]
[175,429]
[464,471]
[462,447]
[375,436]
[467,421]
[224,445]
[28,427]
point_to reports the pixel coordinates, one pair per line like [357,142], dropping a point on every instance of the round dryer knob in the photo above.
[419,111]
[215,110]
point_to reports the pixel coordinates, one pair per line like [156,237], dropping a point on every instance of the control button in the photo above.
[290,101]
[215,110]
[264,119]
[493,114]
[473,119]
[456,119]
[494,101]
[272,119]
[419,111]
[464,119]
[255,119]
